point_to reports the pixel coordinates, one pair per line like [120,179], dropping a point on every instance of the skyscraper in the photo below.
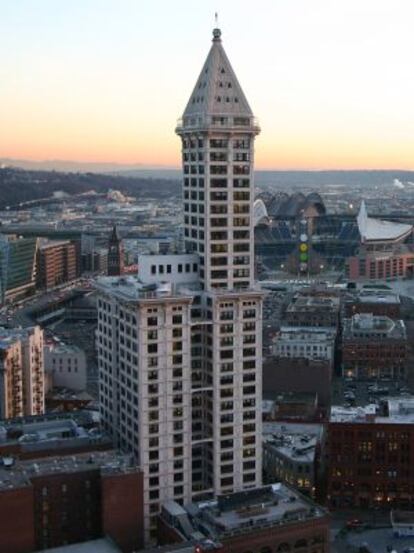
[179,347]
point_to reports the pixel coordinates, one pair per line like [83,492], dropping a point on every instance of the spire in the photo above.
[114,235]
[217,91]
[216,30]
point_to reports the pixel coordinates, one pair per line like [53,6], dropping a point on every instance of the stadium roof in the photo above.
[372,229]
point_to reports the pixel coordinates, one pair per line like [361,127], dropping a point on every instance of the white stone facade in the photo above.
[306,342]
[180,351]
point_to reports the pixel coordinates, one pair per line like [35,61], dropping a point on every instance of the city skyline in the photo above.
[90,81]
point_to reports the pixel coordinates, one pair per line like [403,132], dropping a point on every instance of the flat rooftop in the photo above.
[313,331]
[373,296]
[398,410]
[260,508]
[294,441]
[16,474]
[130,288]
[368,326]
[313,303]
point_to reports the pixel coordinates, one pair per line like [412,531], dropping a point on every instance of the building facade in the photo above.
[57,263]
[305,342]
[52,501]
[369,456]
[179,347]
[65,366]
[374,346]
[21,372]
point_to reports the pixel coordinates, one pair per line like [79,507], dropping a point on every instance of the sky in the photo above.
[331,81]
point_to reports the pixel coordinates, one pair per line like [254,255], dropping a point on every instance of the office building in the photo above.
[21,372]
[179,347]
[306,342]
[369,456]
[57,263]
[51,501]
[316,310]
[374,346]
[292,454]
[17,267]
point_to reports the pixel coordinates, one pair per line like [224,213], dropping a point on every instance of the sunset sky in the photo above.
[331,81]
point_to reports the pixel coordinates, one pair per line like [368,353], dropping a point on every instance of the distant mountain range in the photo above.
[297,179]
[79,166]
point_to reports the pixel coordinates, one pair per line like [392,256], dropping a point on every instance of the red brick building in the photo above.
[49,502]
[57,263]
[374,347]
[378,301]
[370,457]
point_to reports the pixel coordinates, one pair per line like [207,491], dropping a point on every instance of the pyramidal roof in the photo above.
[217,91]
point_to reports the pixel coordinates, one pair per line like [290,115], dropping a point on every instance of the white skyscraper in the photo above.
[180,348]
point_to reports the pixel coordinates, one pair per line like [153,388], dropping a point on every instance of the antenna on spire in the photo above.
[216,30]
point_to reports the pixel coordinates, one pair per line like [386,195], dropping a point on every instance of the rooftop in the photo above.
[398,410]
[377,296]
[372,229]
[130,288]
[259,508]
[367,325]
[294,441]
[10,335]
[314,303]
[15,473]
[46,434]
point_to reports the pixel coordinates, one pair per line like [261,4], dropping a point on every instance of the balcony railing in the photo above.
[201,121]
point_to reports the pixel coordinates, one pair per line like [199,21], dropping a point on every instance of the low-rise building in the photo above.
[314,310]
[267,519]
[52,501]
[305,342]
[66,366]
[379,301]
[42,436]
[369,456]
[374,346]
[291,454]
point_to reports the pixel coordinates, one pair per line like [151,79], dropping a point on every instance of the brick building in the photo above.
[370,456]
[313,309]
[57,263]
[269,519]
[48,502]
[378,301]
[373,346]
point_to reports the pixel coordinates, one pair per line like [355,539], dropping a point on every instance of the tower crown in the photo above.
[217,98]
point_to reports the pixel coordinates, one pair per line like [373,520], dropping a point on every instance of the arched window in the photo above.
[283,547]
